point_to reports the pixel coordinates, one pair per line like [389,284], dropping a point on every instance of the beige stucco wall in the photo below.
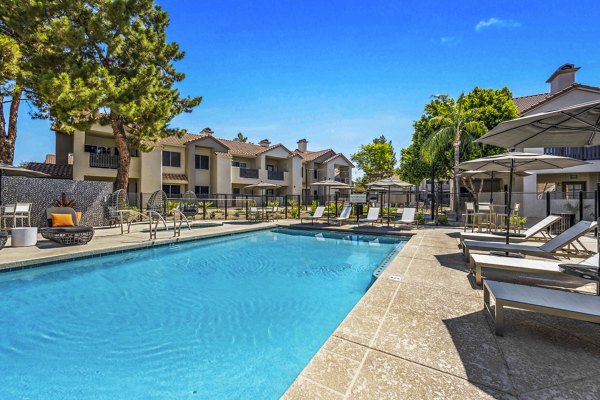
[151,171]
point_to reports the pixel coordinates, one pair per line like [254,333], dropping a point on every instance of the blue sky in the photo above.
[340,73]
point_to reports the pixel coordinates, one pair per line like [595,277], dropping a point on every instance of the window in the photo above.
[315,174]
[172,190]
[270,167]
[201,190]
[572,189]
[238,164]
[88,148]
[171,159]
[201,161]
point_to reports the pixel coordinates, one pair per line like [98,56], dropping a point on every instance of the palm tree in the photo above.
[456,129]
[241,138]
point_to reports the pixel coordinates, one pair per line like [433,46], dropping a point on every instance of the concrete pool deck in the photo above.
[424,336]
[427,336]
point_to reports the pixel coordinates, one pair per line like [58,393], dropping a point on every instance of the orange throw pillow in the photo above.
[61,220]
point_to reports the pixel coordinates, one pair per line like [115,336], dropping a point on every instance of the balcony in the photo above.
[579,153]
[343,179]
[276,175]
[248,173]
[104,161]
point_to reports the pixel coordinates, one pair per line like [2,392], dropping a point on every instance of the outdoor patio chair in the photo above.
[188,205]
[158,203]
[529,235]
[17,212]
[253,213]
[66,235]
[3,239]
[470,216]
[479,262]
[408,218]
[560,303]
[372,216]
[562,244]
[316,215]
[344,216]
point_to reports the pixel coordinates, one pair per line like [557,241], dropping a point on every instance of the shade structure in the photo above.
[389,183]
[331,183]
[11,170]
[474,174]
[264,186]
[518,161]
[574,126]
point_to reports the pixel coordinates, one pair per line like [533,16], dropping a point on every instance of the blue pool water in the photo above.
[225,318]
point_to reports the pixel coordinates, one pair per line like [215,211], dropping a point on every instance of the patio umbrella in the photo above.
[10,170]
[491,174]
[331,183]
[575,126]
[389,183]
[518,161]
[264,186]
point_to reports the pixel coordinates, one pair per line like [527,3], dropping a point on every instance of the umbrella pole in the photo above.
[492,189]
[389,204]
[510,181]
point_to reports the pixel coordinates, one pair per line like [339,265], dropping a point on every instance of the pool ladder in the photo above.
[154,218]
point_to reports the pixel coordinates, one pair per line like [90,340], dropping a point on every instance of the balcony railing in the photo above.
[104,161]
[248,173]
[579,153]
[275,175]
[342,178]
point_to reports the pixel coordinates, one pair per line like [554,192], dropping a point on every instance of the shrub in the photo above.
[442,219]
[420,218]
[295,210]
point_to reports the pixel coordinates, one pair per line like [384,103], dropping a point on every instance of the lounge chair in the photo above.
[480,261]
[528,235]
[253,213]
[316,215]
[344,215]
[580,306]
[372,216]
[3,239]
[188,205]
[562,244]
[408,217]
[68,235]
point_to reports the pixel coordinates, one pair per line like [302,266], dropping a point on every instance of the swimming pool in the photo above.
[223,318]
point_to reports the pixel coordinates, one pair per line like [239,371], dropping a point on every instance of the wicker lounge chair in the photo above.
[480,261]
[408,218]
[3,239]
[189,204]
[372,216]
[316,215]
[70,235]
[562,244]
[580,306]
[528,235]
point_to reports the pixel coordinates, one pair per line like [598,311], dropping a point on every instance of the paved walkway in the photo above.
[427,337]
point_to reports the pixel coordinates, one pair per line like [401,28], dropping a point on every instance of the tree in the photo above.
[10,88]
[377,160]
[104,61]
[241,138]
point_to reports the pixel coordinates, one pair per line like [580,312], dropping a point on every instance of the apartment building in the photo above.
[200,162]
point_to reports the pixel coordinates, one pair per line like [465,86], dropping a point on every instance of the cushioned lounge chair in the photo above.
[69,235]
[529,235]
[408,217]
[316,215]
[479,262]
[562,244]
[344,216]
[372,216]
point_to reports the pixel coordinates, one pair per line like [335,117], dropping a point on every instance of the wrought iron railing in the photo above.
[248,173]
[579,153]
[104,161]
[275,175]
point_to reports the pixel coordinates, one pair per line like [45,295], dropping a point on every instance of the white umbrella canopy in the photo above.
[518,161]
[574,126]
[262,185]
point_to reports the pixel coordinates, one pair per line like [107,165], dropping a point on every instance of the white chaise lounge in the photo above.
[480,261]
[562,244]
[372,216]
[580,306]
[318,214]
[528,235]
[408,217]
[344,215]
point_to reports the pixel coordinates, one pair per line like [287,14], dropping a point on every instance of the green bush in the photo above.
[517,222]
[420,218]
[295,210]
[313,206]
[442,219]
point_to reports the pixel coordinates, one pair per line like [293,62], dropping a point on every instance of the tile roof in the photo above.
[312,155]
[175,177]
[338,155]
[54,170]
[245,149]
[526,103]
[181,141]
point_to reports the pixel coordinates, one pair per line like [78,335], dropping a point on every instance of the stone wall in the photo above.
[42,192]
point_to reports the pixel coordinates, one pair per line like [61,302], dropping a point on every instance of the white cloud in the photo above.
[450,41]
[498,23]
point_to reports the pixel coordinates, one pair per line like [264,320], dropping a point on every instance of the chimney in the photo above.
[562,78]
[302,145]
[265,143]
[206,131]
